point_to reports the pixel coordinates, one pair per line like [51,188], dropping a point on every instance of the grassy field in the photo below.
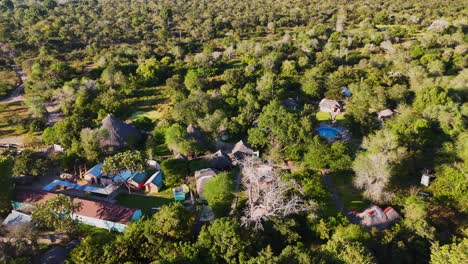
[11,115]
[146,202]
[322,116]
[151,102]
[351,198]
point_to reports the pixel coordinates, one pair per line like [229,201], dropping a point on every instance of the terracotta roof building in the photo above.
[96,213]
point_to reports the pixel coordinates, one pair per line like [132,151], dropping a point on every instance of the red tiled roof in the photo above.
[100,210]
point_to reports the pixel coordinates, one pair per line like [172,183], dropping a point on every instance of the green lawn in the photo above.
[351,198]
[146,202]
[11,116]
[322,116]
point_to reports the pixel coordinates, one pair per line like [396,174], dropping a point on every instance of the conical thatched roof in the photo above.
[240,150]
[180,157]
[220,160]
[120,134]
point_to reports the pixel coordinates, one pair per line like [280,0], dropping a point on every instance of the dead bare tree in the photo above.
[269,195]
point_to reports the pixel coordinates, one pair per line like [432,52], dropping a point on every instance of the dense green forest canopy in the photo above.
[255,71]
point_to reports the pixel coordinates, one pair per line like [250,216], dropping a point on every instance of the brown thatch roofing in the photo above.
[240,149]
[180,157]
[220,160]
[385,113]
[329,105]
[204,173]
[202,177]
[119,133]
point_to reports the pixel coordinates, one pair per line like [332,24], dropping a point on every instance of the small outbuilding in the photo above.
[179,193]
[374,216]
[427,177]
[119,134]
[201,177]
[346,92]
[154,183]
[385,114]
[290,104]
[241,150]
[330,106]
[220,160]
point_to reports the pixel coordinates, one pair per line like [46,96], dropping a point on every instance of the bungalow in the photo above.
[179,193]
[374,216]
[95,213]
[220,160]
[346,92]
[385,114]
[154,183]
[330,106]
[241,150]
[119,134]
[201,177]
[95,176]
[290,104]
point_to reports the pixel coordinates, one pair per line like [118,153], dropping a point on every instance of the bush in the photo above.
[218,193]
[174,171]
[144,123]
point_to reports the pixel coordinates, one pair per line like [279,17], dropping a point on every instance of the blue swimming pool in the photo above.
[329,132]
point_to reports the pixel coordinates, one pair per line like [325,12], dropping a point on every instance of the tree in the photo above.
[454,253]
[90,140]
[218,193]
[133,161]
[223,240]
[26,164]
[280,129]
[269,195]
[6,183]
[172,223]
[375,167]
[150,70]
[195,80]
[175,171]
[56,214]
[36,107]
[178,140]
[335,156]
[416,217]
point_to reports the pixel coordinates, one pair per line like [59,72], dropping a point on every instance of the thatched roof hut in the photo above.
[220,160]
[384,114]
[120,134]
[240,150]
[329,106]
[201,177]
[180,157]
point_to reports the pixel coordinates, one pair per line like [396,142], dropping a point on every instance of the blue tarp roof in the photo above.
[346,91]
[128,175]
[84,188]
[96,170]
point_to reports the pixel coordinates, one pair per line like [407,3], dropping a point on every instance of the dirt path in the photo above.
[236,190]
[16,96]
[331,188]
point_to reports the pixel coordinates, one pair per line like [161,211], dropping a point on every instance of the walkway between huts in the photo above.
[331,188]
[236,190]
